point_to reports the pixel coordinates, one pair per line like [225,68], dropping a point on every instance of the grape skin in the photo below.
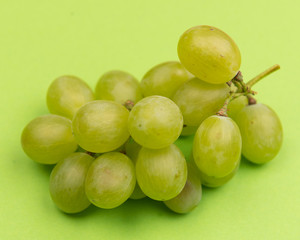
[261,132]
[118,86]
[132,150]
[48,139]
[67,94]
[236,105]
[188,130]
[209,54]
[191,194]
[213,182]
[161,173]
[217,146]
[110,180]
[155,122]
[164,79]
[198,100]
[67,181]
[101,126]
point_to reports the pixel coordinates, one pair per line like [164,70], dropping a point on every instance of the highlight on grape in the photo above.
[117,142]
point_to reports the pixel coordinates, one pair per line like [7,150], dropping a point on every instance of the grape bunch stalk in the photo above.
[117,142]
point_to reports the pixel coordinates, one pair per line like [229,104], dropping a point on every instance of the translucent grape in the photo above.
[48,139]
[236,105]
[210,181]
[188,130]
[110,180]
[217,146]
[67,181]
[190,195]
[118,86]
[164,79]
[132,150]
[198,100]
[261,133]
[67,94]
[101,126]
[155,122]
[161,173]
[209,53]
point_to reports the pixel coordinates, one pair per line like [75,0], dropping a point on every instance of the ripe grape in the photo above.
[211,181]
[190,195]
[132,150]
[110,180]
[198,100]
[236,105]
[261,133]
[67,183]
[101,126]
[161,173]
[188,130]
[118,86]
[217,146]
[67,94]
[155,122]
[209,53]
[164,79]
[48,139]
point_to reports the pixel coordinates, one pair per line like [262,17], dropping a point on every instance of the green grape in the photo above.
[188,130]
[210,181]
[236,105]
[161,173]
[67,181]
[164,79]
[198,100]
[132,150]
[101,126]
[48,139]
[67,94]
[261,132]
[217,146]
[110,180]
[155,122]
[118,86]
[191,194]
[209,53]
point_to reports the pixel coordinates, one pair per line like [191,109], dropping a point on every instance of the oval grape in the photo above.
[261,132]
[217,146]
[209,54]
[191,194]
[236,105]
[118,86]
[67,94]
[161,173]
[48,139]
[164,79]
[101,126]
[198,100]
[155,122]
[67,181]
[188,130]
[110,180]
[132,150]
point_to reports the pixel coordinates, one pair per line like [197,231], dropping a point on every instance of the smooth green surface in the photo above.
[43,40]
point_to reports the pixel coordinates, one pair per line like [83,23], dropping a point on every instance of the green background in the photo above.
[41,40]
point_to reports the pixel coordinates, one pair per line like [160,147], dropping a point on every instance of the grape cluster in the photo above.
[118,142]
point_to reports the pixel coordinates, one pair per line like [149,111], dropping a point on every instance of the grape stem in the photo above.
[262,75]
[223,111]
[129,104]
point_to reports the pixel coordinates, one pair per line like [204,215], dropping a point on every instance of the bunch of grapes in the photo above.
[118,142]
